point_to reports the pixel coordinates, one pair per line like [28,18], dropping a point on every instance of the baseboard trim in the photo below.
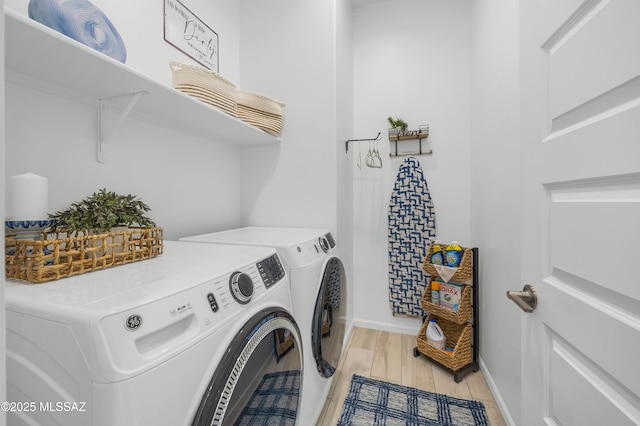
[496,394]
[412,326]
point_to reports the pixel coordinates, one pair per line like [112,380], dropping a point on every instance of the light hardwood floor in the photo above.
[389,356]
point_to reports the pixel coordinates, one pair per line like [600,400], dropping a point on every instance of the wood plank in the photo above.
[417,372]
[387,348]
[387,358]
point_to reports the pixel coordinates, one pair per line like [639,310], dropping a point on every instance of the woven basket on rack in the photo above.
[59,255]
[464,272]
[458,337]
[462,315]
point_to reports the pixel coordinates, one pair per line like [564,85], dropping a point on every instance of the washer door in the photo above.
[259,377]
[329,319]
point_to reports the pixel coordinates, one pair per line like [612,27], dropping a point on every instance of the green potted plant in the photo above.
[399,124]
[101,212]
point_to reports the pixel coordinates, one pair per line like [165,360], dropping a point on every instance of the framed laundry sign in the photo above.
[187,33]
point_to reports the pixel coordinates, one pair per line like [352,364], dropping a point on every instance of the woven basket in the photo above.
[261,120]
[183,74]
[283,344]
[260,102]
[260,111]
[226,105]
[205,85]
[59,255]
[458,337]
[464,272]
[465,309]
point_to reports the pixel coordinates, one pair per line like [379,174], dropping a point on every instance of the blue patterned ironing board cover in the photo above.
[412,224]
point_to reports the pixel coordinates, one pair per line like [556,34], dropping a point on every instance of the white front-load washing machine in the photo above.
[192,337]
[318,295]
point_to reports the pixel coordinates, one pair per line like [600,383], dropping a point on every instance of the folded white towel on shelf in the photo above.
[446,272]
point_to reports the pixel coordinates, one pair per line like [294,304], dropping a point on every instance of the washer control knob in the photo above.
[324,244]
[241,286]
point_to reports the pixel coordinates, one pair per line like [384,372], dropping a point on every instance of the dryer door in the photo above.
[259,378]
[329,318]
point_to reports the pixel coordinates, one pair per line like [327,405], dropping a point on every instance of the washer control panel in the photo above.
[213,303]
[271,270]
[137,336]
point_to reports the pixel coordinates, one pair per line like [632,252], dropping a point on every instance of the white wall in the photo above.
[192,185]
[344,119]
[495,193]
[299,52]
[288,52]
[140,23]
[411,60]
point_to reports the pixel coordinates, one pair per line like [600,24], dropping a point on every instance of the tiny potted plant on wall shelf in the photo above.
[101,212]
[398,127]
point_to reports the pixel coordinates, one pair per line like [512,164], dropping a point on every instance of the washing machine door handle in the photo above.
[241,286]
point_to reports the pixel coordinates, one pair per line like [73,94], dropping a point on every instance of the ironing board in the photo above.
[412,226]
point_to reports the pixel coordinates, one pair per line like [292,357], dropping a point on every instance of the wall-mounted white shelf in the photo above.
[40,57]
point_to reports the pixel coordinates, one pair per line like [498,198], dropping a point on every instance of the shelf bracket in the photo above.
[106,132]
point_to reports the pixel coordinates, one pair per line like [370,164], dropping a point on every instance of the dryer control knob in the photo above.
[241,286]
[324,244]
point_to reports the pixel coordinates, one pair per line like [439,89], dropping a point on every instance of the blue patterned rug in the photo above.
[376,403]
[274,402]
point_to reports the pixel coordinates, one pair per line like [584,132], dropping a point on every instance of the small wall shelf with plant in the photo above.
[398,133]
[103,230]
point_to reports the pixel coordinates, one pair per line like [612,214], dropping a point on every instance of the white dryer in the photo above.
[192,337]
[318,295]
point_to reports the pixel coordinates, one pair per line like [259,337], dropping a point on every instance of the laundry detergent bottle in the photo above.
[435,292]
[437,255]
[454,254]
[435,336]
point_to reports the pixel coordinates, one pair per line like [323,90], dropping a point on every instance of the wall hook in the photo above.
[377,138]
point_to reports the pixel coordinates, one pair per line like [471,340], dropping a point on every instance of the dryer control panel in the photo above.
[305,253]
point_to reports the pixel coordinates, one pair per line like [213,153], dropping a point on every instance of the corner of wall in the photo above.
[495,192]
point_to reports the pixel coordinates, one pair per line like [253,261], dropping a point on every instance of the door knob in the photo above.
[527,299]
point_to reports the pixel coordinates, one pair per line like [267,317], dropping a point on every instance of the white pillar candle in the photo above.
[29,197]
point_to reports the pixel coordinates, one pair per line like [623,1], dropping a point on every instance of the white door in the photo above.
[580,80]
